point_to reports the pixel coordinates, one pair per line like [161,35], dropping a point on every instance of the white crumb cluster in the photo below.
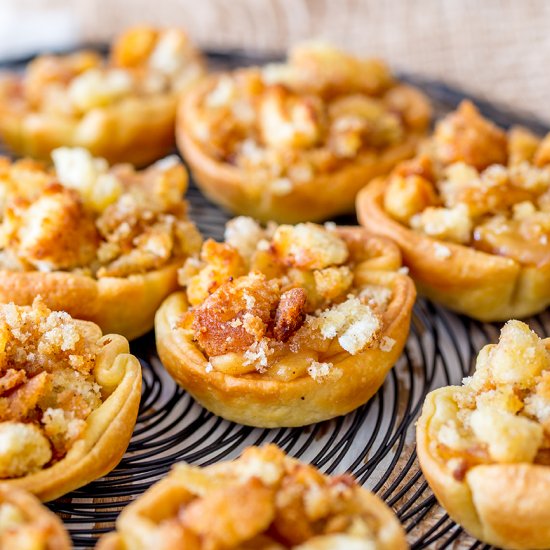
[309,246]
[376,295]
[244,234]
[449,224]
[281,186]
[257,355]
[442,252]
[319,371]
[352,322]
[386,343]
[23,449]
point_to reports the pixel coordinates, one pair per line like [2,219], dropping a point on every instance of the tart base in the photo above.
[108,432]
[138,131]
[320,198]
[137,525]
[506,505]
[480,285]
[252,400]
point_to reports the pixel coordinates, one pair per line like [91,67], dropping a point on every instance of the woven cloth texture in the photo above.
[498,49]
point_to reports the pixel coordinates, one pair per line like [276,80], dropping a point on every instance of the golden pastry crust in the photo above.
[485,447]
[470,214]
[122,110]
[297,141]
[262,500]
[300,325]
[104,245]
[69,400]
[28,525]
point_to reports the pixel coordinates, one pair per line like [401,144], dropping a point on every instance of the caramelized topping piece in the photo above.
[465,136]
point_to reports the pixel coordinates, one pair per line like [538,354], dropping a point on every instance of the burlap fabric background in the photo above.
[498,49]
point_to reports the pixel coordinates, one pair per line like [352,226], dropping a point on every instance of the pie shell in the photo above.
[108,431]
[255,401]
[506,505]
[481,285]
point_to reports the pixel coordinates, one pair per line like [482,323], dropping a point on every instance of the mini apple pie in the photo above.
[69,399]
[263,500]
[471,214]
[103,244]
[296,141]
[25,524]
[484,447]
[122,109]
[288,325]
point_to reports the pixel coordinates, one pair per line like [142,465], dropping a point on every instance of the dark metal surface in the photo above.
[375,442]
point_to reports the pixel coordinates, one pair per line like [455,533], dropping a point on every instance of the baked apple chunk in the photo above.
[122,109]
[68,399]
[484,447]
[101,243]
[471,214]
[296,141]
[263,500]
[288,325]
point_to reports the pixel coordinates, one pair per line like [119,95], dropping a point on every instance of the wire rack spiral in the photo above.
[375,442]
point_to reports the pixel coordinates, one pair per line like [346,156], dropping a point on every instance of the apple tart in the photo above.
[471,214]
[69,398]
[122,109]
[25,524]
[296,141]
[264,500]
[484,447]
[288,325]
[103,244]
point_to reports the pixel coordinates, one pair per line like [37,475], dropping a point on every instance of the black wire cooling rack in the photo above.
[375,443]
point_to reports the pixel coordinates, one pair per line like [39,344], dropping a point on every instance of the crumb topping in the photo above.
[501,414]
[277,502]
[143,63]
[88,218]
[317,112]
[476,185]
[47,385]
[266,295]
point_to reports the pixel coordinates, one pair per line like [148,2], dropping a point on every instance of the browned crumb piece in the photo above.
[236,315]
[53,232]
[290,313]
[466,136]
[221,526]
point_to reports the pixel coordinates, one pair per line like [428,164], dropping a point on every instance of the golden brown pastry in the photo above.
[263,500]
[25,524]
[484,447]
[296,141]
[69,399]
[103,244]
[471,214]
[122,109]
[286,326]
